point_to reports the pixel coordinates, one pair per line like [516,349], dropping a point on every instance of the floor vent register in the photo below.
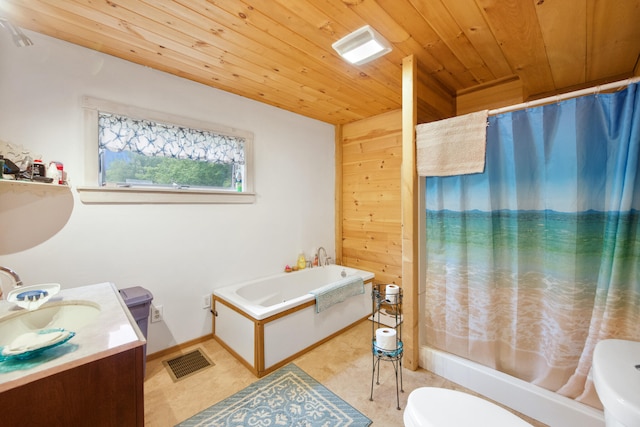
[187,364]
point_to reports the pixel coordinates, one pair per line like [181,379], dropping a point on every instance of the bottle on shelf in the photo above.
[56,172]
[37,169]
[302,261]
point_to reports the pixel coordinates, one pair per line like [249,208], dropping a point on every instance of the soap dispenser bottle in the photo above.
[302,262]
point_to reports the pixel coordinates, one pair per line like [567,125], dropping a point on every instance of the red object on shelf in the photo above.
[60,168]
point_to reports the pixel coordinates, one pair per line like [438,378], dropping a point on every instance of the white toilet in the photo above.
[441,407]
[616,376]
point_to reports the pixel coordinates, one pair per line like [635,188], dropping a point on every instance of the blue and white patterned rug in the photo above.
[287,397]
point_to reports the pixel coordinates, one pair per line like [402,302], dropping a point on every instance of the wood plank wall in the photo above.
[369,228]
[376,195]
[496,95]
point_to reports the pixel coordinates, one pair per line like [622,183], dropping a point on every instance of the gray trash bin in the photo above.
[138,301]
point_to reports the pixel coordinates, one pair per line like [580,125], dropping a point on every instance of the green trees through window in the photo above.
[127,167]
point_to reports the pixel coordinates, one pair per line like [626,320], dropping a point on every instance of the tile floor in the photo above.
[343,365]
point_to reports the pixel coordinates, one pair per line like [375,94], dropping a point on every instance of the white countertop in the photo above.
[114,330]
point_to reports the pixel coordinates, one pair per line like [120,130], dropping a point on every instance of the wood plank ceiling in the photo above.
[279,51]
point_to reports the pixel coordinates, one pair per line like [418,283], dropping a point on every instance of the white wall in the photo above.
[178,252]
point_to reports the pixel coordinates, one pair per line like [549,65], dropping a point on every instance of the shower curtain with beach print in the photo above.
[532,262]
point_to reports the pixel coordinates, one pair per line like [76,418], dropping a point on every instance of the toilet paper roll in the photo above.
[391,293]
[386,339]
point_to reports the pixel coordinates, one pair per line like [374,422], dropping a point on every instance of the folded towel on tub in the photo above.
[337,292]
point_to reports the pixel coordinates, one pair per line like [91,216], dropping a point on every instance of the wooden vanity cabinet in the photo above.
[104,392]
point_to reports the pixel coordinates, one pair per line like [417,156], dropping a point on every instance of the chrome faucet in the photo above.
[322,262]
[14,275]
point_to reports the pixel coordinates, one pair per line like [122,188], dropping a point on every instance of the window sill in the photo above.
[104,195]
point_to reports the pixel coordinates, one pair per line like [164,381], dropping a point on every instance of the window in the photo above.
[161,154]
[144,152]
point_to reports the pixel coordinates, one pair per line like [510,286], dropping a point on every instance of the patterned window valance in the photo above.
[120,133]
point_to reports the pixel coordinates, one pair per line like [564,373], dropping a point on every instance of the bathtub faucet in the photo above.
[322,261]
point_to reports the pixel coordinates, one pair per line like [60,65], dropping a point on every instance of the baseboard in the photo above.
[179,347]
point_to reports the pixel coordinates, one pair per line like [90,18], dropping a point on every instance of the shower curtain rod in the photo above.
[562,97]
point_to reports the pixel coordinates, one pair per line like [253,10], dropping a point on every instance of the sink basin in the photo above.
[616,377]
[69,315]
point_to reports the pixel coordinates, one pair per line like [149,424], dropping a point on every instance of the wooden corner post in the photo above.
[409,193]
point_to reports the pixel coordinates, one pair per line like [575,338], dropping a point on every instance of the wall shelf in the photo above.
[30,186]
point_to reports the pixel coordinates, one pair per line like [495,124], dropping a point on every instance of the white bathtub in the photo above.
[267,322]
